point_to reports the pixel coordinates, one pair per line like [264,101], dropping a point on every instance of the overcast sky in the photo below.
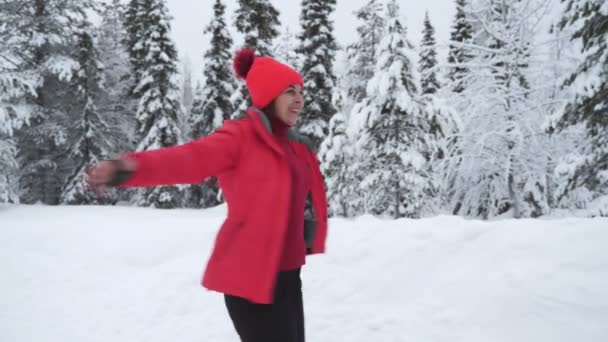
[190,17]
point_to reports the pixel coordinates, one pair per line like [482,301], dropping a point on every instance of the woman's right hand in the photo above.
[102,174]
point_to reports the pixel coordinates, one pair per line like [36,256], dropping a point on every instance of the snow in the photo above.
[132,274]
[604,8]
[62,66]
[599,207]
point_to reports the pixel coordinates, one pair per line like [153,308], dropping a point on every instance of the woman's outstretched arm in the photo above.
[189,163]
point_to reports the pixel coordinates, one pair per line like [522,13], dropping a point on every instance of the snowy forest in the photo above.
[513,123]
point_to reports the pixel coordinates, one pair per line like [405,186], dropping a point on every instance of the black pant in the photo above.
[281,321]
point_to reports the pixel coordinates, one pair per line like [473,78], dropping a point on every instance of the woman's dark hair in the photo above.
[269,109]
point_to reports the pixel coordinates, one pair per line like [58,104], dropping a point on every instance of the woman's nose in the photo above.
[299,98]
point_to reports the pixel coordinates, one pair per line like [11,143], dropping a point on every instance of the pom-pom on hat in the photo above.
[266,78]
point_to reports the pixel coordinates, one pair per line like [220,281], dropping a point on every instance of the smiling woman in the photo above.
[288,105]
[270,178]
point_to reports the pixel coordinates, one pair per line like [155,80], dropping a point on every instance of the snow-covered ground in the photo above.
[130,274]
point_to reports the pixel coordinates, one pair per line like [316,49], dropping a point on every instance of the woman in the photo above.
[267,171]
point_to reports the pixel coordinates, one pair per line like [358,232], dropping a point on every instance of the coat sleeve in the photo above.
[320,209]
[189,163]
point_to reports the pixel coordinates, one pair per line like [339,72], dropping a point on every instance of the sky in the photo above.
[190,18]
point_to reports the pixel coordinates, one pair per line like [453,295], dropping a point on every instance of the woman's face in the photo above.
[288,105]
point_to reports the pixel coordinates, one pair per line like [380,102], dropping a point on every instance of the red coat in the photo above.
[253,174]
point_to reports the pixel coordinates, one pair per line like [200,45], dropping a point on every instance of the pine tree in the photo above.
[187,88]
[135,26]
[318,46]
[360,60]
[339,161]
[285,49]
[212,103]
[206,194]
[428,59]
[159,105]
[113,101]
[19,77]
[10,119]
[15,84]
[566,144]
[443,132]
[459,57]
[589,107]
[439,119]
[336,155]
[90,144]
[186,96]
[112,30]
[363,54]
[393,130]
[213,106]
[258,21]
[462,33]
[37,65]
[9,168]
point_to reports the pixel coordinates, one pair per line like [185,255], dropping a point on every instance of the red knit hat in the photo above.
[266,78]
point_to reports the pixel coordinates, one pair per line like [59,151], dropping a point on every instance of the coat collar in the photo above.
[293,135]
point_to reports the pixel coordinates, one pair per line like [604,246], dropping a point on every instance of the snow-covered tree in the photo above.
[442,118]
[439,115]
[336,155]
[317,46]
[90,143]
[564,57]
[19,77]
[135,26]
[498,162]
[285,48]
[212,106]
[258,21]
[392,141]
[203,195]
[36,63]
[360,59]
[15,84]
[363,53]
[113,101]
[187,87]
[36,38]
[587,173]
[186,95]
[461,36]
[112,30]
[212,103]
[462,33]
[428,59]
[158,95]
[9,169]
